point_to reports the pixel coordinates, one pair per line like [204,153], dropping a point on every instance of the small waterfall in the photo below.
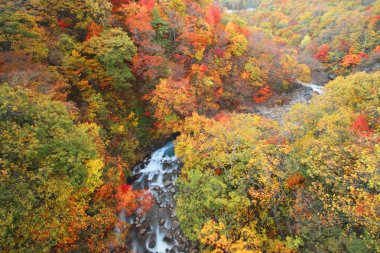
[316,88]
[158,229]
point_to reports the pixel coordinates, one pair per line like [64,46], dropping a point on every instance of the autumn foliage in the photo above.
[118,4]
[321,177]
[323,53]
[89,87]
[353,59]
[295,180]
[361,126]
[262,95]
[130,200]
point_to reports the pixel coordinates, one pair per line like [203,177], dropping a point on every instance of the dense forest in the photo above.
[88,88]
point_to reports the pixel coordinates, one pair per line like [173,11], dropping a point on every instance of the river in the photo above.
[158,230]
[303,94]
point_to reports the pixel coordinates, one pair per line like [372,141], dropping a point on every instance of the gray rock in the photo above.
[139,211]
[167,176]
[152,241]
[182,246]
[167,183]
[142,231]
[162,222]
[167,163]
[168,236]
[175,224]
[332,76]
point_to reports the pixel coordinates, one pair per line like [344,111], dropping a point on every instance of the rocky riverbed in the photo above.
[158,230]
[276,108]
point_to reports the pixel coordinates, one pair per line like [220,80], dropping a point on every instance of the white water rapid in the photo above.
[158,230]
[316,88]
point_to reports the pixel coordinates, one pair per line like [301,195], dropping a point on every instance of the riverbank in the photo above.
[158,230]
[279,104]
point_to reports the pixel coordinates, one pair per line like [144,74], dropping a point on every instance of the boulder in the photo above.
[169,236]
[142,231]
[175,224]
[152,241]
[332,76]
[182,246]
[167,183]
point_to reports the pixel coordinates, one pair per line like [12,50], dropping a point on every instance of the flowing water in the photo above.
[298,96]
[158,229]
[315,87]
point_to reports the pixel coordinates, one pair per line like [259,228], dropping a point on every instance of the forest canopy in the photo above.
[89,88]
